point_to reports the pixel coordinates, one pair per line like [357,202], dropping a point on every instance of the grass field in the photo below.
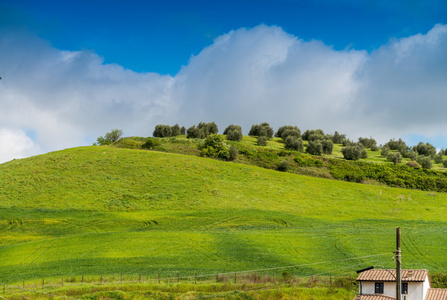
[103,210]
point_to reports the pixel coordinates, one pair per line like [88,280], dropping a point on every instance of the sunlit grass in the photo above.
[103,210]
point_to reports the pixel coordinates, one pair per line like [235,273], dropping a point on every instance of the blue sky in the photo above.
[160,36]
[73,70]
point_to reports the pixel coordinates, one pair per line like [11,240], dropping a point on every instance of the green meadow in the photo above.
[105,210]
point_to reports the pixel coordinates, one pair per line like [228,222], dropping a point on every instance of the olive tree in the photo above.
[262,129]
[354,152]
[110,137]
[233,133]
[314,148]
[293,143]
[394,158]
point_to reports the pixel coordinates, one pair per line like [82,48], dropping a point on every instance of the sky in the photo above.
[74,70]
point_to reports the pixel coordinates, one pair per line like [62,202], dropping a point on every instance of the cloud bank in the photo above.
[52,99]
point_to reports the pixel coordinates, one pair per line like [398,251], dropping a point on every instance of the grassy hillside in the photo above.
[104,210]
[375,169]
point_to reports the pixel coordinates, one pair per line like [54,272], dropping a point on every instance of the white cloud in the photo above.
[245,77]
[404,86]
[264,74]
[16,144]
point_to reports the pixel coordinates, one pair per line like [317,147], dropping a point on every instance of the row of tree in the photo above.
[318,142]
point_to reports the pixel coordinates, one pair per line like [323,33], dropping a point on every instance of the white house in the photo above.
[378,284]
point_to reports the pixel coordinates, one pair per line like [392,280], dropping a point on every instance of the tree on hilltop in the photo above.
[110,137]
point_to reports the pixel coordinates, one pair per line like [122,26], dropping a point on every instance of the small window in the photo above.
[404,288]
[379,288]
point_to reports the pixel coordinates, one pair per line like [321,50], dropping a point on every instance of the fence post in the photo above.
[82,279]
[121,277]
[4,288]
[217,277]
[62,281]
[195,278]
[273,277]
[43,283]
[178,277]
[140,277]
[234,277]
[101,279]
[159,278]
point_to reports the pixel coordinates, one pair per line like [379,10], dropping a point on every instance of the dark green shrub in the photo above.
[385,151]
[367,142]
[347,142]
[290,132]
[338,138]
[176,130]
[283,129]
[316,137]
[424,161]
[354,152]
[194,132]
[284,166]
[314,148]
[233,133]
[262,129]
[162,131]
[309,132]
[412,155]
[394,158]
[327,146]
[425,149]
[307,161]
[234,153]
[438,159]
[214,145]
[445,163]
[293,143]
[208,128]
[399,145]
[262,141]
[231,128]
[151,143]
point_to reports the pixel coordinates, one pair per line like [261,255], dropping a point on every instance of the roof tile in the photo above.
[373,297]
[436,294]
[385,275]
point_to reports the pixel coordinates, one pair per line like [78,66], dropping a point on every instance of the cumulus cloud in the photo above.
[247,76]
[404,86]
[16,144]
[67,97]
[265,74]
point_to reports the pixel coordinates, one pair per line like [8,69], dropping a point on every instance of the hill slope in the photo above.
[94,210]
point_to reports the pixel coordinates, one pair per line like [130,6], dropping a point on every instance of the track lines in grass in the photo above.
[216,223]
[197,248]
[295,254]
[39,251]
[412,246]
[340,246]
[280,223]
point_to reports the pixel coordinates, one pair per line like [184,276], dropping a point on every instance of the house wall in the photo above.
[416,290]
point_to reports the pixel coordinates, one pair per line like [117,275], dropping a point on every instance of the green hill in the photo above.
[104,210]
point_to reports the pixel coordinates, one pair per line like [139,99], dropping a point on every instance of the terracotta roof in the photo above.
[436,294]
[374,297]
[384,275]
